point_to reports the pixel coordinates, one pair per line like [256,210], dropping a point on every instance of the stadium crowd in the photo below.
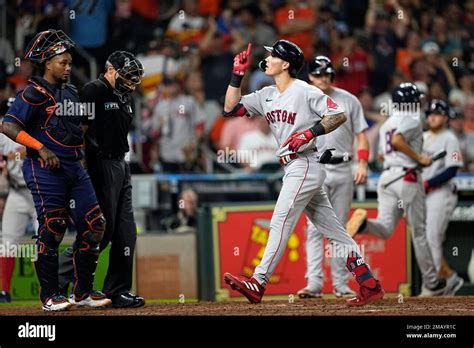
[187,49]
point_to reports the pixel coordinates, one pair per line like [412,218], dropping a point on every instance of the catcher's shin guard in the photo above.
[51,233]
[86,252]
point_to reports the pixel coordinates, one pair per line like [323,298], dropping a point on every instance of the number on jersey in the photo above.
[388,140]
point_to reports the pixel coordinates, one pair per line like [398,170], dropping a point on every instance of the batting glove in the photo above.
[242,61]
[296,140]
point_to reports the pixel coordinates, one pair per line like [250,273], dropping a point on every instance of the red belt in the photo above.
[284,160]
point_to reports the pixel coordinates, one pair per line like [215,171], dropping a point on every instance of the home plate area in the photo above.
[410,306]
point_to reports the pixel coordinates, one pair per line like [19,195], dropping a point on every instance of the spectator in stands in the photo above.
[187,26]
[469,115]
[260,34]
[384,98]
[255,31]
[438,69]
[88,24]
[406,55]
[7,59]
[217,59]
[448,45]
[177,127]
[259,146]
[185,220]
[420,73]
[436,91]
[295,22]
[459,96]
[144,18]
[351,64]
[160,60]
[466,141]
[324,31]
[210,109]
[384,43]
[233,130]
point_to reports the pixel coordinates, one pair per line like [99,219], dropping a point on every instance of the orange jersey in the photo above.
[304,39]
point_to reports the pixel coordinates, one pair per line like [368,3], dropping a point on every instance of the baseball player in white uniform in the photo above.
[19,210]
[339,183]
[401,143]
[441,196]
[297,114]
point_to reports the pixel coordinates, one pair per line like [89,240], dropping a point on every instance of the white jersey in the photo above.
[298,108]
[261,145]
[15,174]
[177,119]
[409,126]
[342,138]
[445,140]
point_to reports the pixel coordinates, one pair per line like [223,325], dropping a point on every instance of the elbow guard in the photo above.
[238,110]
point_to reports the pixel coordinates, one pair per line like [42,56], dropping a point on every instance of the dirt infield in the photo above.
[459,305]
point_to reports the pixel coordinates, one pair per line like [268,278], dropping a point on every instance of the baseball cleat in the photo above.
[94,299]
[308,293]
[366,296]
[56,303]
[356,223]
[249,287]
[439,290]
[344,291]
[454,283]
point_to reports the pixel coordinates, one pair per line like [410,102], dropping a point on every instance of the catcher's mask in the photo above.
[47,44]
[129,71]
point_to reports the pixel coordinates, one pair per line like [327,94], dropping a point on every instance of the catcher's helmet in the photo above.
[321,64]
[47,44]
[129,70]
[406,92]
[440,107]
[290,53]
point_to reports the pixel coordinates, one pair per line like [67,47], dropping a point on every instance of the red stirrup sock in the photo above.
[7,265]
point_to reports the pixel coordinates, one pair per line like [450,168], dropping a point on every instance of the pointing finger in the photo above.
[249,48]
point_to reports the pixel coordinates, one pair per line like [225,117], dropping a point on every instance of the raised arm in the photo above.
[233,94]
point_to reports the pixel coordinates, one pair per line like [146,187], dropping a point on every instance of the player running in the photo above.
[441,196]
[297,114]
[339,182]
[401,143]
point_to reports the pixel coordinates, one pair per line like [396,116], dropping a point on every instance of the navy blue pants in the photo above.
[59,194]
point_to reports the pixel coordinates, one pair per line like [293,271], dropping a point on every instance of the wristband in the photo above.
[363,154]
[24,138]
[236,80]
[317,130]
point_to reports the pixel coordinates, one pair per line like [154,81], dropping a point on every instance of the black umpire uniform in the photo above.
[106,144]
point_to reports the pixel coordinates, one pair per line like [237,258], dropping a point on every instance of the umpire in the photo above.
[105,147]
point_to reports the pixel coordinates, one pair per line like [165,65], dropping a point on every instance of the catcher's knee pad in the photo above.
[89,240]
[51,235]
